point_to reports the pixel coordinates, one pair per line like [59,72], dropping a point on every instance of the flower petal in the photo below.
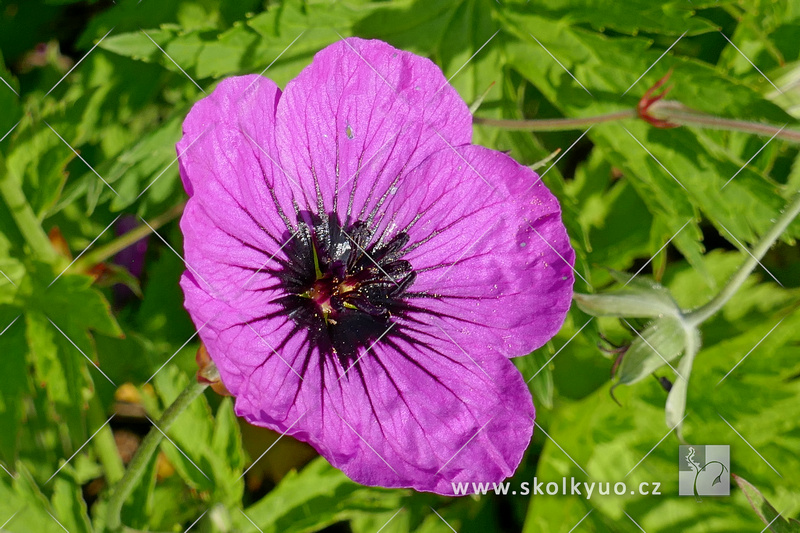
[230,186]
[376,135]
[491,254]
[409,413]
[244,343]
[232,224]
[359,117]
[433,416]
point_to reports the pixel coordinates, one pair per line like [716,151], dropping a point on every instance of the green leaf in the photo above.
[21,227]
[214,458]
[668,18]
[9,101]
[161,316]
[190,433]
[537,370]
[11,250]
[135,45]
[227,439]
[610,240]
[38,159]
[765,511]
[60,369]
[609,441]
[70,301]
[787,78]
[69,506]
[102,109]
[542,383]
[58,316]
[314,498]
[15,383]
[467,42]
[24,506]
[113,274]
[695,167]
[149,165]
[249,46]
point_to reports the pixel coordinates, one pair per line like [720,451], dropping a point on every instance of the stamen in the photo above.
[352,288]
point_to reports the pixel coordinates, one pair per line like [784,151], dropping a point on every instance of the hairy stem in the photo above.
[554,124]
[677,113]
[698,316]
[129,238]
[145,452]
[668,111]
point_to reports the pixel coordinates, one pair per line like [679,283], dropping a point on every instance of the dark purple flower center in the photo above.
[345,289]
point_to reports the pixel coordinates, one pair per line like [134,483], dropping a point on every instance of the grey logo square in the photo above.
[704,470]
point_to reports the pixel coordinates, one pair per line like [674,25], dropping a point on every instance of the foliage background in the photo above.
[120,108]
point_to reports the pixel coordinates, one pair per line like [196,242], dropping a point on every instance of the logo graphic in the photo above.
[705,470]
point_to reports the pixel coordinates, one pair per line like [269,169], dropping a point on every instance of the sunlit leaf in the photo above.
[765,511]
[316,497]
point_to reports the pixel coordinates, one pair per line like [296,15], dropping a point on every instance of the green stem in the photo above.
[104,444]
[669,111]
[677,113]
[27,222]
[554,124]
[145,452]
[698,316]
[128,238]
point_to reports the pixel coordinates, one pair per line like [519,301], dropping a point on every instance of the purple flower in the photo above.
[361,274]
